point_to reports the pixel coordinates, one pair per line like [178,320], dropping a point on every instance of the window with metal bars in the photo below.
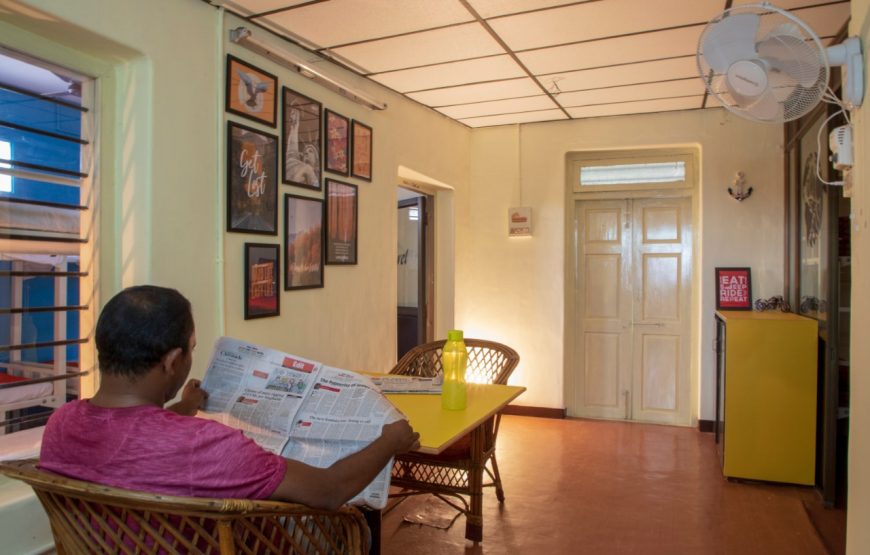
[46,229]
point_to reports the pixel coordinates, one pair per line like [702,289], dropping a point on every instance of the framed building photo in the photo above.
[361,151]
[302,142]
[341,222]
[262,294]
[733,289]
[337,142]
[251,92]
[303,242]
[252,180]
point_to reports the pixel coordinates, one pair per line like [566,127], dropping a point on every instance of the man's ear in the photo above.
[169,359]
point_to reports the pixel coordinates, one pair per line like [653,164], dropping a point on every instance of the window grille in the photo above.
[46,226]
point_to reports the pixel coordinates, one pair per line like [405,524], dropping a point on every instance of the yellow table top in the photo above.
[439,427]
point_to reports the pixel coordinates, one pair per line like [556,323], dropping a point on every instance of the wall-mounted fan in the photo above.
[765,64]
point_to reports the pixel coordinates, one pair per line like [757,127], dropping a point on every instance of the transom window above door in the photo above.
[634,170]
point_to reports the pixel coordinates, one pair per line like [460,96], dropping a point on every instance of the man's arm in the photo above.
[329,488]
[193,397]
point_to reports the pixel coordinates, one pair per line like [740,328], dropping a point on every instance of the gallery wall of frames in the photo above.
[290,167]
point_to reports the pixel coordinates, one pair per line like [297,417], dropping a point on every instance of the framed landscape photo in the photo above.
[252,180]
[262,267]
[303,242]
[341,222]
[361,151]
[251,92]
[301,131]
[337,143]
[733,289]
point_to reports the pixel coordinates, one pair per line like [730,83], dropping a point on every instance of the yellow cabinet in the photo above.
[766,400]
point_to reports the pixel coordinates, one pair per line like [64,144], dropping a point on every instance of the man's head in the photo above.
[141,327]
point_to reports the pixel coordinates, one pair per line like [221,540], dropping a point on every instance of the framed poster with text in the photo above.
[733,289]
[252,180]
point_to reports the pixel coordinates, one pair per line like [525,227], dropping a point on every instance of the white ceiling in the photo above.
[496,62]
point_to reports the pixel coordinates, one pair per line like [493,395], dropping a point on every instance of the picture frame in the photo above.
[336,144]
[361,150]
[251,92]
[301,130]
[262,271]
[252,180]
[303,242]
[733,289]
[342,202]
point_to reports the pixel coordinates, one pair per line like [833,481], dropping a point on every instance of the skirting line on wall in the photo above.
[540,412]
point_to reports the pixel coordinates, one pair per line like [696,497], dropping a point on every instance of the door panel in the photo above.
[602,382]
[633,273]
[603,340]
[661,322]
[660,287]
[660,360]
[603,289]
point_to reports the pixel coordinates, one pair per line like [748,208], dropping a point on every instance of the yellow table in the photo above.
[440,428]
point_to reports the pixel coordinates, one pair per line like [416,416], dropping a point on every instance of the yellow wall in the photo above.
[513,289]
[351,322]
[857,531]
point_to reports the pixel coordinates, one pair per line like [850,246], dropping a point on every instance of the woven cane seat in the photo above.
[92,518]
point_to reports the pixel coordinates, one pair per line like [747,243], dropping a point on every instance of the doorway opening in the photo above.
[414,270]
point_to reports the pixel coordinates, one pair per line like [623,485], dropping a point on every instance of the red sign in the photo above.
[733,289]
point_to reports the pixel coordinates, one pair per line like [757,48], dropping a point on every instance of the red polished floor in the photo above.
[585,486]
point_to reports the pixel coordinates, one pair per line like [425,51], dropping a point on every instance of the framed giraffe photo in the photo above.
[262,269]
[251,92]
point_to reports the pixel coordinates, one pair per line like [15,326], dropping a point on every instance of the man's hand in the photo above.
[193,398]
[329,488]
[402,436]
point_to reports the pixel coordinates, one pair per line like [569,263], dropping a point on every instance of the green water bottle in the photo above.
[454,358]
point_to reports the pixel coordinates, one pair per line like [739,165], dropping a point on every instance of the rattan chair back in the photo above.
[488,361]
[92,518]
[449,475]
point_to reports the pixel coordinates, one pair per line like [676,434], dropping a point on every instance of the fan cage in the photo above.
[794,99]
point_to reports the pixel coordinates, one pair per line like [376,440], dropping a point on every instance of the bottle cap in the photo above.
[454,335]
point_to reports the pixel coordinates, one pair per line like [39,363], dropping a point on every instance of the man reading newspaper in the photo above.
[299,408]
[124,437]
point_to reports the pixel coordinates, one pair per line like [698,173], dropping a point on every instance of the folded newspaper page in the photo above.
[298,408]
[408,384]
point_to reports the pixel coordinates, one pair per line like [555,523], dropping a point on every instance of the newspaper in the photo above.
[298,408]
[409,384]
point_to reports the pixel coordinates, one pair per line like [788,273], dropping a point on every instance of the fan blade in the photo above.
[766,107]
[785,50]
[729,40]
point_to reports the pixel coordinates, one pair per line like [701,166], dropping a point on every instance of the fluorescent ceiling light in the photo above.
[244,37]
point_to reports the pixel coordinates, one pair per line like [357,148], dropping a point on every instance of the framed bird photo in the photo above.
[251,92]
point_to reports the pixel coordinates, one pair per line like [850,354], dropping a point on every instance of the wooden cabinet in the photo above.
[766,395]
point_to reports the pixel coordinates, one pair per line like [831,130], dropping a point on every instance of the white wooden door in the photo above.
[632,279]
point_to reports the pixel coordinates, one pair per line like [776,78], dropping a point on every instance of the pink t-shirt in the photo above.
[148,448]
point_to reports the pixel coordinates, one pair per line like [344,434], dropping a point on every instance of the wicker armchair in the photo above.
[92,518]
[448,475]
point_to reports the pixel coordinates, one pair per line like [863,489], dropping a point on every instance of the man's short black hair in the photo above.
[138,326]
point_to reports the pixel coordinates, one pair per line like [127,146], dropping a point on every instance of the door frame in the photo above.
[424,268]
[573,162]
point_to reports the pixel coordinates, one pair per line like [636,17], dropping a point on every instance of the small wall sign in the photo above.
[520,221]
[733,289]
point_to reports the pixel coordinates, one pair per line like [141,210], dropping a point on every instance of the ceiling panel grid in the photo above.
[498,62]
